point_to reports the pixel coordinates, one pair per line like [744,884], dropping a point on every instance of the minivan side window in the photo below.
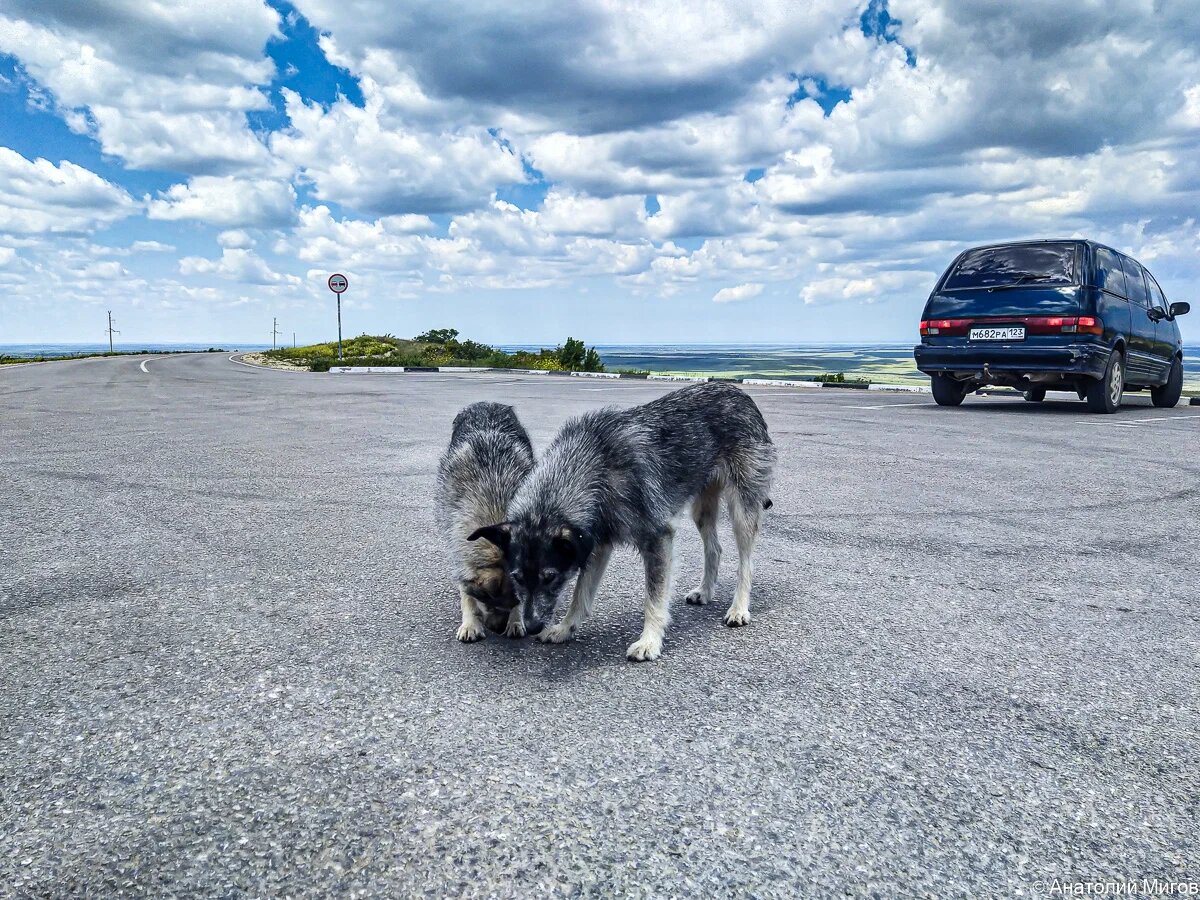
[1135,284]
[1108,271]
[1157,297]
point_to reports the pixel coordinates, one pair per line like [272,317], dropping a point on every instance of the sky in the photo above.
[623,172]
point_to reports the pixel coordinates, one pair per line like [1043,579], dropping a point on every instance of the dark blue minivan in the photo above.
[1051,315]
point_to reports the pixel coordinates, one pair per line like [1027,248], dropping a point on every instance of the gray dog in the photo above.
[621,476]
[488,458]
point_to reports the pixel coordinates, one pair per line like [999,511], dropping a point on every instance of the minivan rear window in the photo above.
[1014,264]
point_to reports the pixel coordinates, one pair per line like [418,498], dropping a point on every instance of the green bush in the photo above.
[836,378]
[438,336]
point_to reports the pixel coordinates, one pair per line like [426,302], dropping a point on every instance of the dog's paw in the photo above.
[556,634]
[644,650]
[736,618]
[470,632]
[515,629]
[698,598]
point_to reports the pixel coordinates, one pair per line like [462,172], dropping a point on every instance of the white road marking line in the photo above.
[1139,423]
[143,366]
[883,406]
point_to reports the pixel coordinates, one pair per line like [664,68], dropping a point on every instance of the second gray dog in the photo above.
[488,458]
[621,476]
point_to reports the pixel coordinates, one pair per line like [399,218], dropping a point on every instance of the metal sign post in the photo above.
[338,284]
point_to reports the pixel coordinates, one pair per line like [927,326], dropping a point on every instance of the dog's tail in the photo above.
[768,503]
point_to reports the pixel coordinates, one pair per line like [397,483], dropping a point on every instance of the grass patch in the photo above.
[439,347]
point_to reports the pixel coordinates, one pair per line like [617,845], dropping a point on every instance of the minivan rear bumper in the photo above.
[1013,360]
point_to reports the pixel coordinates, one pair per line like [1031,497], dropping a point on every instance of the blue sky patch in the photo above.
[30,125]
[528,194]
[301,65]
[878,23]
[816,88]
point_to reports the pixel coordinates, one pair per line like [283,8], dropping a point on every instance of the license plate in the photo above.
[997,334]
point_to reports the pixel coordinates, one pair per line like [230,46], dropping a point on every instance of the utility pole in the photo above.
[275,332]
[111,332]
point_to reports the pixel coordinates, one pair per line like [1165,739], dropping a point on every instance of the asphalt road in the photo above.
[227,662]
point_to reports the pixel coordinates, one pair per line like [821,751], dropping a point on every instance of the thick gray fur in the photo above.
[622,476]
[489,456]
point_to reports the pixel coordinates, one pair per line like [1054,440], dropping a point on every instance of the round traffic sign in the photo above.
[338,283]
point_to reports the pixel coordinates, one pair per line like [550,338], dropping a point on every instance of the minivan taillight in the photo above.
[1062,324]
[945,326]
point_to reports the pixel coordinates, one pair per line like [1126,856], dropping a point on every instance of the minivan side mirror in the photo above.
[1179,309]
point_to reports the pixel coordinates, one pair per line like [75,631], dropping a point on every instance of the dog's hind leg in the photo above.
[746,512]
[586,586]
[657,557]
[471,629]
[704,512]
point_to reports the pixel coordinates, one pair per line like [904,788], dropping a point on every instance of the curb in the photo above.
[695,379]
[763,382]
[779,382]
[900,388]
[383,370]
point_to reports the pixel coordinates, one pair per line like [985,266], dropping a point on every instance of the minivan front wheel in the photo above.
[948,391]
[1168,394]
[1104,394]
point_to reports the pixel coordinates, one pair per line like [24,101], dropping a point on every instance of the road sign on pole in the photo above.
[338,284]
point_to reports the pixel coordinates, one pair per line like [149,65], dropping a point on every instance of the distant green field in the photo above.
[880,363]
[884,363]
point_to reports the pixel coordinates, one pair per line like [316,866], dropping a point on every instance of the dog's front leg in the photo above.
[586,586]
[516,622]
[471,629]
[657,557]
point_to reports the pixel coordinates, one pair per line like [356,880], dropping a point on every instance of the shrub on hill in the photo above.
[439,347]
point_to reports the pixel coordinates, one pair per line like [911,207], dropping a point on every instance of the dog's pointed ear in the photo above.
[574,544]
[500,535]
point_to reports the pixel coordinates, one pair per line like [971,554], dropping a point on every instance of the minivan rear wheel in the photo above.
[1168,395]
[1036,395]
[1104,394]
[948,391]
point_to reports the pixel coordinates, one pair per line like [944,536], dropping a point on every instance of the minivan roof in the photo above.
[1072,240]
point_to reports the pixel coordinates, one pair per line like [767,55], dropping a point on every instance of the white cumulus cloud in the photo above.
[737,292]
[227,201]
[38,196]
[243,266]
